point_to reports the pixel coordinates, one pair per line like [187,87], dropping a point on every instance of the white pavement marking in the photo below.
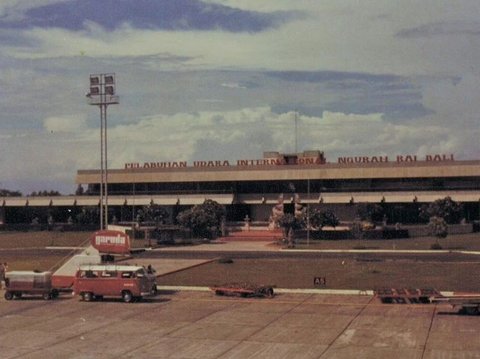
[412,251]
[245,246]
[355,292]
[280,290]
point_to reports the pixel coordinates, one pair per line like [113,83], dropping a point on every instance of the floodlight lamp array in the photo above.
[102,89]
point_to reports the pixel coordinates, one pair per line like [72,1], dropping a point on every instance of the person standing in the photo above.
[3,269]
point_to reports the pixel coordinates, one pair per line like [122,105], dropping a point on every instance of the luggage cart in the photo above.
[244,290]
[21,283]
[405,295]
[468,303]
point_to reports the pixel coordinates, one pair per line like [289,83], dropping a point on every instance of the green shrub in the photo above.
[438,227]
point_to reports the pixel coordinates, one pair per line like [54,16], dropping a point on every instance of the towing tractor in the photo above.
[29,283]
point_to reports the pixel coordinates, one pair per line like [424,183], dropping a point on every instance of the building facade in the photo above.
[253,187]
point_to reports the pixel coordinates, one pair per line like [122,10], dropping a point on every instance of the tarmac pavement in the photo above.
[188,323]
[201,325]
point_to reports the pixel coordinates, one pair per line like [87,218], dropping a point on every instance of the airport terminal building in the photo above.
[252,187]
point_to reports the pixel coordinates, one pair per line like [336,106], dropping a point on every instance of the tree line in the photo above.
[207,219]
[44,193]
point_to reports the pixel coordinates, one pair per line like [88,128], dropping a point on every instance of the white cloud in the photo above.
[55,157]
[162,138]
[68,123]
[232,85]
[335,118]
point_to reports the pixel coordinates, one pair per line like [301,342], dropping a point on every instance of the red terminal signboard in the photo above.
[111,242]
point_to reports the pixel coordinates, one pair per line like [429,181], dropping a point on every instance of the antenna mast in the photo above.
[296,150]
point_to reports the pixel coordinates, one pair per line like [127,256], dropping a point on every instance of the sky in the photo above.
[231,79]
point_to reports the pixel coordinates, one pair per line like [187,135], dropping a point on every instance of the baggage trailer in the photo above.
[244,290]
[405,295]
[20,283]
[468,303]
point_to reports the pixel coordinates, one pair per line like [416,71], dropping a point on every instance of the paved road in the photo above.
[267,250]
[201,325]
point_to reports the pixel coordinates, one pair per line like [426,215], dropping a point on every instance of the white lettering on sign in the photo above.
[109,240]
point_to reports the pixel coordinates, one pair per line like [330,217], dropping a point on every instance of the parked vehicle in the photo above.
[104,247]
[124,281]
[20,283]
[466,303]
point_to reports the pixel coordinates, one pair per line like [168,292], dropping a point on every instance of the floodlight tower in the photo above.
[102,94]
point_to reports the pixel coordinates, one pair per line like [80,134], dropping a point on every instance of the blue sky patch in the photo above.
[149,14]
[396,97]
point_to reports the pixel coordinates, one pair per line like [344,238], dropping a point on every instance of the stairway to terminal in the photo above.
[254,235]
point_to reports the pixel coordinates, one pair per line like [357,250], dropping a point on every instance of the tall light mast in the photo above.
[102,94]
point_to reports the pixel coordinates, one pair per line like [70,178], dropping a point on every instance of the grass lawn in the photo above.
[349,273]
[44,239]
[338,273]
[468,242]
